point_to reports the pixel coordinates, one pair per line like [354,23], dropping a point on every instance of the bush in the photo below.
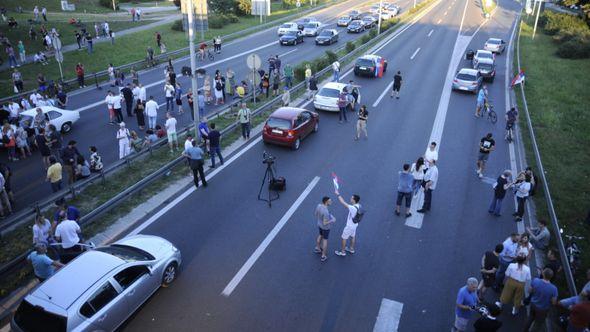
[177,26]
[299,71]
[564,23]
[365,39]
[372,33]
[575,48]
[331,56]
[177,3]
[350,47]
[319,64]
[216,21]
[109,3]
[244,7]
[231,18]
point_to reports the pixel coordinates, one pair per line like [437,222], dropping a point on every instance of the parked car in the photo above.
[467,79]
[355,15]
[344,21]
[487,69]
[355,26]
[393,9]
[289,26]
[101,288]
[291,37]
[369,21]
[327,98]
[60,118]
[327,37]
[288,126]
[311,29]
[495,45]
[482,54]
[305,20]
[370,65]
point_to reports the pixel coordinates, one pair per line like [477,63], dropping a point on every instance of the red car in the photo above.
[289,125]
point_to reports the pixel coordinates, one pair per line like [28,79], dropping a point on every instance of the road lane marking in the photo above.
[439,20]
[430,33]
[264,244]
[415,53]
[390,313]
[291,51]
[445,14]
[389,86]
[488,180]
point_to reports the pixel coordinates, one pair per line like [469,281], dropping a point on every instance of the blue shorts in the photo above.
[325,233]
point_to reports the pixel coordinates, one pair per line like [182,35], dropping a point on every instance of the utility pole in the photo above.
[193,56]
[537,19]
[380,12]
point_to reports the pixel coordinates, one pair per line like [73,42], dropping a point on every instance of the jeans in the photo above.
[56,186]
[288,81]
[342,114]
[118,115]
[496,206]
[336,76]
[169,104]
[245,129]
[12,61]
[152,122]
[215,150]
[427,199]
[81,80]
[89,47]
[520,206]
[501,273]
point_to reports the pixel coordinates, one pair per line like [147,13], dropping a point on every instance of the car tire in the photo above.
[297,144]
[169,275]
[66,127]
[316,127]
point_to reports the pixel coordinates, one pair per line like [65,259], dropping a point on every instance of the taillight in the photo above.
[290,133]
[473,83]
[493,72]
[455,81]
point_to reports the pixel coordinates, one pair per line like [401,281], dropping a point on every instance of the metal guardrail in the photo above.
[163,58]
[548,200]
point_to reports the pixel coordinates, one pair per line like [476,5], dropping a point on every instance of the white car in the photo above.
[494,45]
[482,54]
[327,98]
[60,118]
[311,29]
[289,26]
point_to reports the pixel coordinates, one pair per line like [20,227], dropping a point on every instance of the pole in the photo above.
[414,3]
[202,21]
[254,83]
[194,83]
[61,74]
[380,12]
[537,19]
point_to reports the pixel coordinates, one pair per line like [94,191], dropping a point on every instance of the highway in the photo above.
[250,267]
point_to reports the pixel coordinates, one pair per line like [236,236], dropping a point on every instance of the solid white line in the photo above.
[189,191]
[291,51]
[382,94]
[390,313]
[415,53]
[430,33]
[439,20]
[273,233]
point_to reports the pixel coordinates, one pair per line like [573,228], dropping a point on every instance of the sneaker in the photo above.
[349,250]
[317,250]
[514,311]
[422,211]
[324,258]
[498,304]
[408,215]
[340,253]
[480,175]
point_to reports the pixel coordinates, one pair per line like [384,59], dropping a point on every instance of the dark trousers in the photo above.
[495,206]
[536,316]
[342,114]
[427,199]
[245,130]
[119,115]
[19,86]
[81,80]
[56,186]
[520,206]
[215,150]
[217,47]
[197,168]
[169,104]
[129,107]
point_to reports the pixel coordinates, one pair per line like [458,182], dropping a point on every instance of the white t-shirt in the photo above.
[188,144]
[523,274]
[142,94]
[169,90]
[14,109]
[35,98]
[417,173]
[432,175]
[67,231]
[524,251]
[171,126]
[151,108]
[352,210]
[336,66]
[48,40]
[430,155]
[135,92]
[523,189]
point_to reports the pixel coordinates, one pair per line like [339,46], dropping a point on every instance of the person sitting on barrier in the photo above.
[67,232]
[42,230]
[43,266]
[67,212]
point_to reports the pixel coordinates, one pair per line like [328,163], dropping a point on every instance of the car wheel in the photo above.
[316,127]
[297,144]
[66,127]
[169,275]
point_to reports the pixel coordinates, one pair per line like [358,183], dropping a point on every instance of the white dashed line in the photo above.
[415,53]
[445,14]
[382,94]
[430,33]
[390,313]
[439,20]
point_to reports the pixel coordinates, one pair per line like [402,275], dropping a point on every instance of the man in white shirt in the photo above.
[135,92]
[151,110]
[67,233]
[349,231]
[142,93]
[507,256]
[171,132]
[431,154]
[189,142]
[14,109]
[336,70]
[430,181]
[34,97]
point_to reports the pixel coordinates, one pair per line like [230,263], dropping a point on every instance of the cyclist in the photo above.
[482,99]
[511,118]
[202,50]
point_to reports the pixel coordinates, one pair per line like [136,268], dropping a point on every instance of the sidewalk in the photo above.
[74,47]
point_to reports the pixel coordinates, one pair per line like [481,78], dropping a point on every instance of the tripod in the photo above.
[270,175]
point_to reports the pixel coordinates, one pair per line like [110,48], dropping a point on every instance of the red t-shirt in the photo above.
[580,315]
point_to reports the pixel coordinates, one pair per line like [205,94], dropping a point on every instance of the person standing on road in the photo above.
[54,174]
[139,113]
[352,221]
[217,44]
[178,97]
[404,190]
[151,110]
[308,73]
[54,141]
[361,123]
[195,160]
[116,100]
[204,134]
[544,295]
[128,96]
[342,105]
[69,155]
[517,275]
[502,184]
[123,138]
[482,96]
[523,190]
[325,220]
[466,298]
[335,71]
[43,266]
[397,84]
[276,82]
[171,132]
[111,72]
[313,87]
[429,184]
[507,256]
[201,104]
[244,116]
[169,94]
[418,169]
[511,119]
[486,145]
[431,154]
[214,144]
[490,262]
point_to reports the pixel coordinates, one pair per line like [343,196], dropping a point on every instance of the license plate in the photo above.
[276,131]
[363,68]
[462,88]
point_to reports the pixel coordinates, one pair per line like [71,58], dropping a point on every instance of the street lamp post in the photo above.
[194,83]
[379,11]
[537,19]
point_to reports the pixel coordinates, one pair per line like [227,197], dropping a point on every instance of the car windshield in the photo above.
[345,18]
[127,253]
[485,56]
[367,18]
[26,121]
[34,318]
[494,41]
[310,26]
[291,33]
[329,92]
[278,123]
[465,77]
[326,33]
[364,62]
[354,23]
[286,26]
[485,66]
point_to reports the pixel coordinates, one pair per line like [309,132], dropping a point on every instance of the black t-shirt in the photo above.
[490,261]
[62,97]
[511,116]
[499,191]
[485,324]
[363,114]
[486,145]
[214,136]
[127,93]
[397,80]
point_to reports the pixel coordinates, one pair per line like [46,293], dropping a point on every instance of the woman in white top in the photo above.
[417,171]
[41,230]
[522,193]
[525,248]
[517,275]
[123,137]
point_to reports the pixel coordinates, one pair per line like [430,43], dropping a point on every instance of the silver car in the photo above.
[311,29]
[482,54]
[101,288]
[494,45]
[467,79]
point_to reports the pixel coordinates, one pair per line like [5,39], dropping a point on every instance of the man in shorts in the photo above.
[511,118]
[349,231]
[486,145]
[325,221]
[171,132]
[482,96]
[466,298]
[397,84]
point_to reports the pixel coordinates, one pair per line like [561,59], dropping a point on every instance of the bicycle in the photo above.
[488,110]
[573,252]
[207,53]
[509,132]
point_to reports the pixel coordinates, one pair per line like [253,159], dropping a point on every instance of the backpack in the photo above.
[360,212]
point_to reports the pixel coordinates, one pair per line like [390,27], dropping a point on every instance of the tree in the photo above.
[222,6]
[244,7]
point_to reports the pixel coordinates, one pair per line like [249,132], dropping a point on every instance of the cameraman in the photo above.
[466,299]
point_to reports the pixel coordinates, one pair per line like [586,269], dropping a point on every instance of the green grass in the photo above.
[557,95]
[90,6]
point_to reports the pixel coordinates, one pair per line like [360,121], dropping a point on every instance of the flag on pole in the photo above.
[336,181]
[518,79]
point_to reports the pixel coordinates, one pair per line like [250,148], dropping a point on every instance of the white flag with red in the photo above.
[336,181]
[518,79]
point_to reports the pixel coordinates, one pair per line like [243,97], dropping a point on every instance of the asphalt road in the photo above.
[93,128]
[287,288]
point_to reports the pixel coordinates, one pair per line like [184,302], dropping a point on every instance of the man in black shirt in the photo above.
[397,84]
[486,145]
[69,155]
[128,96]
[214,145]
[502,184]
[62,99]
[489,265]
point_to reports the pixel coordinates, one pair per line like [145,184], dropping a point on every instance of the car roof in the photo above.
[334,85]
[356,21]
[330,30]
[73,280]
[287,113]
[290,23]
[484,51]
[33,111]
[470,71]
[370,57]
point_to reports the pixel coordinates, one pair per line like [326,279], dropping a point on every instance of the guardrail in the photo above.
[71,84]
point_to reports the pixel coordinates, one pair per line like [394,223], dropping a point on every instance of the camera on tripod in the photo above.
[273,183]
[267,158]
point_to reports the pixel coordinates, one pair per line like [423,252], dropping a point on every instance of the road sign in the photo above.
[298,4]
[253,61]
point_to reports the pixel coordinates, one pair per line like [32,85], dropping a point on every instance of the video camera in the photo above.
[267,158]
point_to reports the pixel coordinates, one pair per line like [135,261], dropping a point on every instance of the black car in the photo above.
[369,22]
[355,15]
[370,65]
[487,69]
[291,38]
[356,26]
[327,37]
